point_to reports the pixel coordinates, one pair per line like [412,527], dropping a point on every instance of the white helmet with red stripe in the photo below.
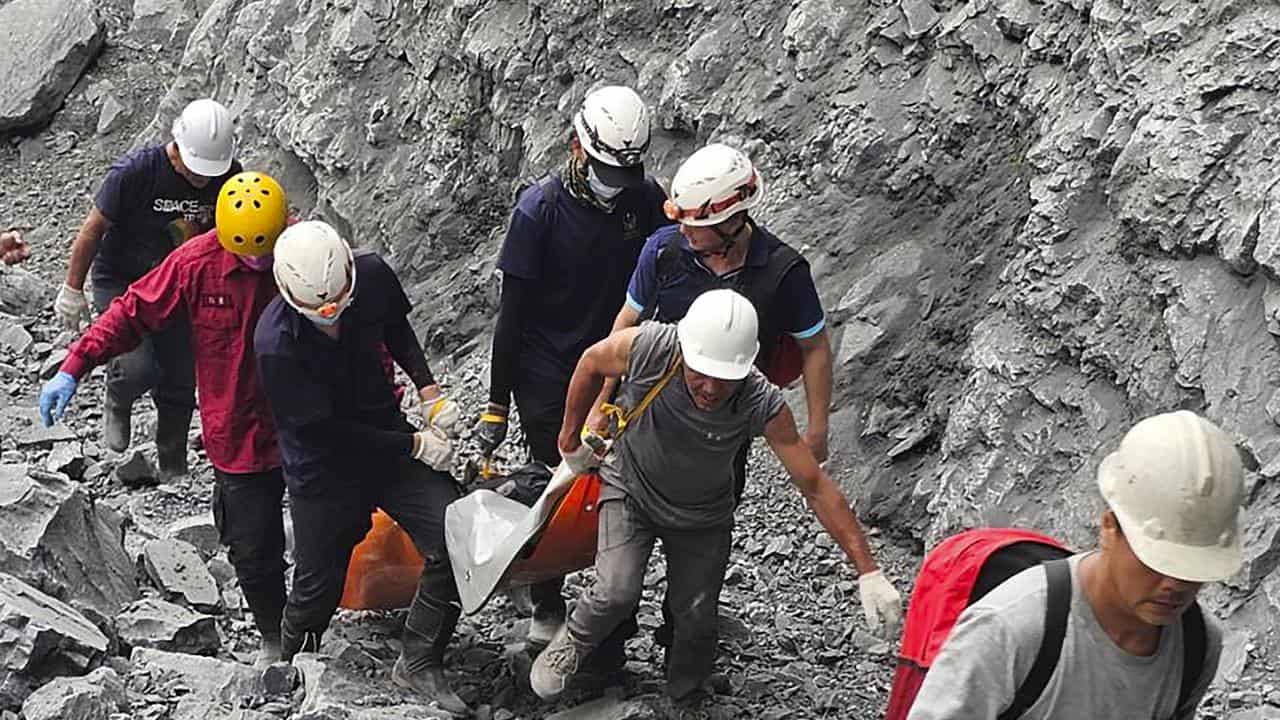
[712,185]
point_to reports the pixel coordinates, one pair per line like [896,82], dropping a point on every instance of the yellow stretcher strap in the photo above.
[492,418]
[624,418]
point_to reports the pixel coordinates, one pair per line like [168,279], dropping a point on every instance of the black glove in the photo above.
[491,429]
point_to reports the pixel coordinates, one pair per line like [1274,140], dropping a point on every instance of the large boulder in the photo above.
[163,625]
[44,47]
[41,636]
[96,696]
[58,540]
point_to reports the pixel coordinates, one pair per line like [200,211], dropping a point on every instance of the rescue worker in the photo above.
[716,244]
[152,200]
[1172,494]
[670,477]
[347,447]
[13,249]
[570,248]
[220,281]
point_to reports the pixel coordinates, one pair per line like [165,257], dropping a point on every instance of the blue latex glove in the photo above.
[54,397]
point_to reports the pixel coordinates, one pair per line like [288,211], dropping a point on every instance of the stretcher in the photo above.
[497,543]
[494,542]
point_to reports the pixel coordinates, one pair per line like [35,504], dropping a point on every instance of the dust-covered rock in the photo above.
[154,623]
[177,570]
[41,636]
[97,696]
[44,47]
[58,539]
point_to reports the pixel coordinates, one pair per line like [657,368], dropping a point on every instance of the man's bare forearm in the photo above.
[833,511]
[583,388]
[817,384]
[84,248]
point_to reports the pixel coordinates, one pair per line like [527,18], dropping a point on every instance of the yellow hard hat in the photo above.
[251,214]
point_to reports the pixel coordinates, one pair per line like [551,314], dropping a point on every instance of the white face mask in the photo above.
[324,322]
[598,186]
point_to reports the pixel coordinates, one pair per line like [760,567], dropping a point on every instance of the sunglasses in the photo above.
[708,208]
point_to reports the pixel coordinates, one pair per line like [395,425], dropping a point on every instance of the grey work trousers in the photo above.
[696,563]
[162,363]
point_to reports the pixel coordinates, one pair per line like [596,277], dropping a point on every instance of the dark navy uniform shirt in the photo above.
[144,196]
[335,408]
[579,258]
[799,310]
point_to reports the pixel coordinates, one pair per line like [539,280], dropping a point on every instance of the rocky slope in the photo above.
[1031,222]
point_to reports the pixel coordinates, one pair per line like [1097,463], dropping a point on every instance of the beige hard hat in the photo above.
[1175,484]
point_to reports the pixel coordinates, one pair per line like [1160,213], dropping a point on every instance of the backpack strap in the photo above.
[1193,651]
[665,266]
[1057,608]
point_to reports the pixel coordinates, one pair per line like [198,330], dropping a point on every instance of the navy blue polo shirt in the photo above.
[143,196]
[310,378]
[579,258]
[799,311]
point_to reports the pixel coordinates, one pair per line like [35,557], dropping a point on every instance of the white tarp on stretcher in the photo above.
[486,532]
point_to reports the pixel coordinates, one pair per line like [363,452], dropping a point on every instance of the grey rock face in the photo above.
[42,636]
[1021,254]
[96,696]
[58,540]
[44,46]
[153,623]
[176,568]
[162,20]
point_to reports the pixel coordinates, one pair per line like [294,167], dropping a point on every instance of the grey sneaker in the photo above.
[555,665]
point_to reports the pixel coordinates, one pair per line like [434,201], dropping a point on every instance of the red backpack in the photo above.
[964,568]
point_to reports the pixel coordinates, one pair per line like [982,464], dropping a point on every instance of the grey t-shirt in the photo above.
[994,644]
[675,460]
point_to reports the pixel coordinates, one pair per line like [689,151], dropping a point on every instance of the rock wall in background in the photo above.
[1031,222]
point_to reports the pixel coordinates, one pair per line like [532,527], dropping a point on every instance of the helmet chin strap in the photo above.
[728,240]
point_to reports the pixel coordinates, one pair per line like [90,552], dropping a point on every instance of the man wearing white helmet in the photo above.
[671,477]
[346,445]
[152,200]
[717,244]
[570,248]
[1136,644]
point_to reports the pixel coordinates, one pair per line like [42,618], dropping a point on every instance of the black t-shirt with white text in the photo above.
[152,209]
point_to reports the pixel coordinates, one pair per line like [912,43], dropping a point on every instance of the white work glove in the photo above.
[442,413]
[432,448]
[881,603]
[71,307]
[582,460]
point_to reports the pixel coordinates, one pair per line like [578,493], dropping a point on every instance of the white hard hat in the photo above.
[206,138]
[1175,484]
[315,270]
[712,185]
[718,336]
[613,128]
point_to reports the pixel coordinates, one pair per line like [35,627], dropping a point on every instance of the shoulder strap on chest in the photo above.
[1056,611]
